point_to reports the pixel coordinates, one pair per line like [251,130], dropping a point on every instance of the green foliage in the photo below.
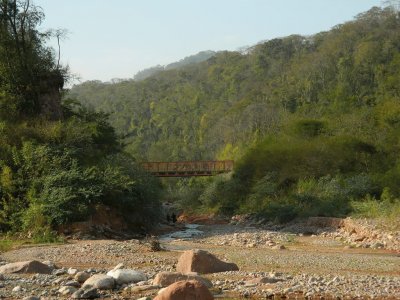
[312,122]
[387,208]
[57,162]
[5,245]
[309,128]
[28,68]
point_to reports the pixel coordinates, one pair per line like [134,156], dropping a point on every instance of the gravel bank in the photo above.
[271,262]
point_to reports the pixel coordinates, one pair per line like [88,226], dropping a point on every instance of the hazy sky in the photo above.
[116,38]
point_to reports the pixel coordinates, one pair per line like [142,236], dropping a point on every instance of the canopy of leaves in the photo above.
[315,110]
[57,161]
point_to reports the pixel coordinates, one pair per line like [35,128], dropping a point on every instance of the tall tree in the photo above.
[29,73]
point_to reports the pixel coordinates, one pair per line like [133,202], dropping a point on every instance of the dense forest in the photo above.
[313,122]
[192,59]
[58,161]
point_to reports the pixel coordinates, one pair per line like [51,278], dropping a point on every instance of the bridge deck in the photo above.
[188,168]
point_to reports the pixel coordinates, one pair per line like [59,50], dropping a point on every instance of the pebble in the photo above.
[247,242]
[17,289]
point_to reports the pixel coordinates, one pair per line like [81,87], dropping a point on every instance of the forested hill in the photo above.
[349,76]
[312,122]
[192,59]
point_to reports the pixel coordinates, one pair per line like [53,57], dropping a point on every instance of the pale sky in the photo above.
[116,38]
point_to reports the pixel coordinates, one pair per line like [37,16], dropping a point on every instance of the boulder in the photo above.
[164,279]
[185,290]
[100,281]
[81,277]
[125,276]
[202,262]
[26,267]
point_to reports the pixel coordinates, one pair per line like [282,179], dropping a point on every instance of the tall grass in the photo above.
[386,210]
[5,245]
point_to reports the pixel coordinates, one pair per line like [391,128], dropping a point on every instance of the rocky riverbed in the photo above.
[272,261]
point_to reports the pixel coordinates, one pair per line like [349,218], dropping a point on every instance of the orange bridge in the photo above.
[188,168]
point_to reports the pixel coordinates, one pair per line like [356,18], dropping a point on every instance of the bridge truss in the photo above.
[188,168]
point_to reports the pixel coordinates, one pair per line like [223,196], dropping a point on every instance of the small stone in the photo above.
[81,277]
[59,272]
[67,290]
[377,245]
[279,247]
[86,293]
[31,298]
[17,289]
[72,283]
[58,281]
[72,271]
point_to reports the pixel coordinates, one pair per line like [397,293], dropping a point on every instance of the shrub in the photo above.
[386,208]
[309,128]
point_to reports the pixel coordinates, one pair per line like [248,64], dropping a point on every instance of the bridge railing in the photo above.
[188,168]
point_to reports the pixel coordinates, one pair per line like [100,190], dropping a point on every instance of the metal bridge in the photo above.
[188,168]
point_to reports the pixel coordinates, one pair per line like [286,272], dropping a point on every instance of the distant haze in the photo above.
[117,39]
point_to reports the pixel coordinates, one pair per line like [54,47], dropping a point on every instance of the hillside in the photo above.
[305,117]
[192,59]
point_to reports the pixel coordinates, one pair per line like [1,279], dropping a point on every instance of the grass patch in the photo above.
[7,244]
[386,211]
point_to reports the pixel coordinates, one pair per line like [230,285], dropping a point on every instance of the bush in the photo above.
[387,208]
[309,128]
[46,185]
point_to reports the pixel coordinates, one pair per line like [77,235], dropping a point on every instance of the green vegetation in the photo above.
[312,122]
[58,160]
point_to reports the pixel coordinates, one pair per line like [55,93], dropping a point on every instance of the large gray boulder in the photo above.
[100,281]
[203,262]
[26,267]
[126,276]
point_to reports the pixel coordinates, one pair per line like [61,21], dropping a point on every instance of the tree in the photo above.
[29,74]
